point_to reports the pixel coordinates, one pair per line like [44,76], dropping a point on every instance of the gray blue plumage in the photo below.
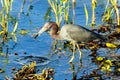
[77,33]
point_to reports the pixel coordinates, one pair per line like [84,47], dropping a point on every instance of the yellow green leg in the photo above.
[73,55]
[79,52]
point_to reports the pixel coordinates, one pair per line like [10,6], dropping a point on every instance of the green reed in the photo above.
[114,3]
[4,20]
[86,14]
[60,10]
[108,13]
[111,13]
[94,4]
[73,8]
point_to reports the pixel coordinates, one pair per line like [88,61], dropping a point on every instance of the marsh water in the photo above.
[32,20]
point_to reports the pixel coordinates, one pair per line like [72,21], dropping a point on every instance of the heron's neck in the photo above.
[54,31]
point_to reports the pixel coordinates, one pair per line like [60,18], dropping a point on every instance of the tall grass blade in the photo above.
[73,6]
[94,3]
[15,27]
[86,13]
[114,3]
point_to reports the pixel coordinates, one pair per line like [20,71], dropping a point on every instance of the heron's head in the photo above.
[46,27]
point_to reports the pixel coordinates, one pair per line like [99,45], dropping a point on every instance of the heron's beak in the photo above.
[35,35]
[40,32]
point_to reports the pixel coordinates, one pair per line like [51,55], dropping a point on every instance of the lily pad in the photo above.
[24,32]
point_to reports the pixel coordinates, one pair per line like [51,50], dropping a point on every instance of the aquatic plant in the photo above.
[27,72]
[60,9]
[111,13]
[86,13]
[5,18]
[7,22]
[114,3]
[94,4]
[73,8]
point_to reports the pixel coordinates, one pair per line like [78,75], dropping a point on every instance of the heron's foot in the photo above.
[72,58]
[35,35]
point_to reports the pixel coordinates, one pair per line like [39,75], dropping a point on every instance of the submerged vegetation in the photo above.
[28,73]
[64,12]
[5,19]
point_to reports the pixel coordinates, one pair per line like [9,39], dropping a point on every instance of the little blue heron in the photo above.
[70,32]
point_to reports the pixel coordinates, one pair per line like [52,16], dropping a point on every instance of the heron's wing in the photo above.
[81,34]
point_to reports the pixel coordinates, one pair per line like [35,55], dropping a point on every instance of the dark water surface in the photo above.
[41,47]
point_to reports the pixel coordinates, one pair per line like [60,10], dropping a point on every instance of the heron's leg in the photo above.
[79,52]
[73,55]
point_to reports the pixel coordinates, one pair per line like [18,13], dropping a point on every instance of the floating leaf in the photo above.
[111,45]
[1,71]
[118,69]
[109,62]
[100,58]
[24,32]
[106,68]
[59,48]
[2,54]
[103,68]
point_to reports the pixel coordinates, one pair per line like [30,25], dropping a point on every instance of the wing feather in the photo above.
[81,34]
